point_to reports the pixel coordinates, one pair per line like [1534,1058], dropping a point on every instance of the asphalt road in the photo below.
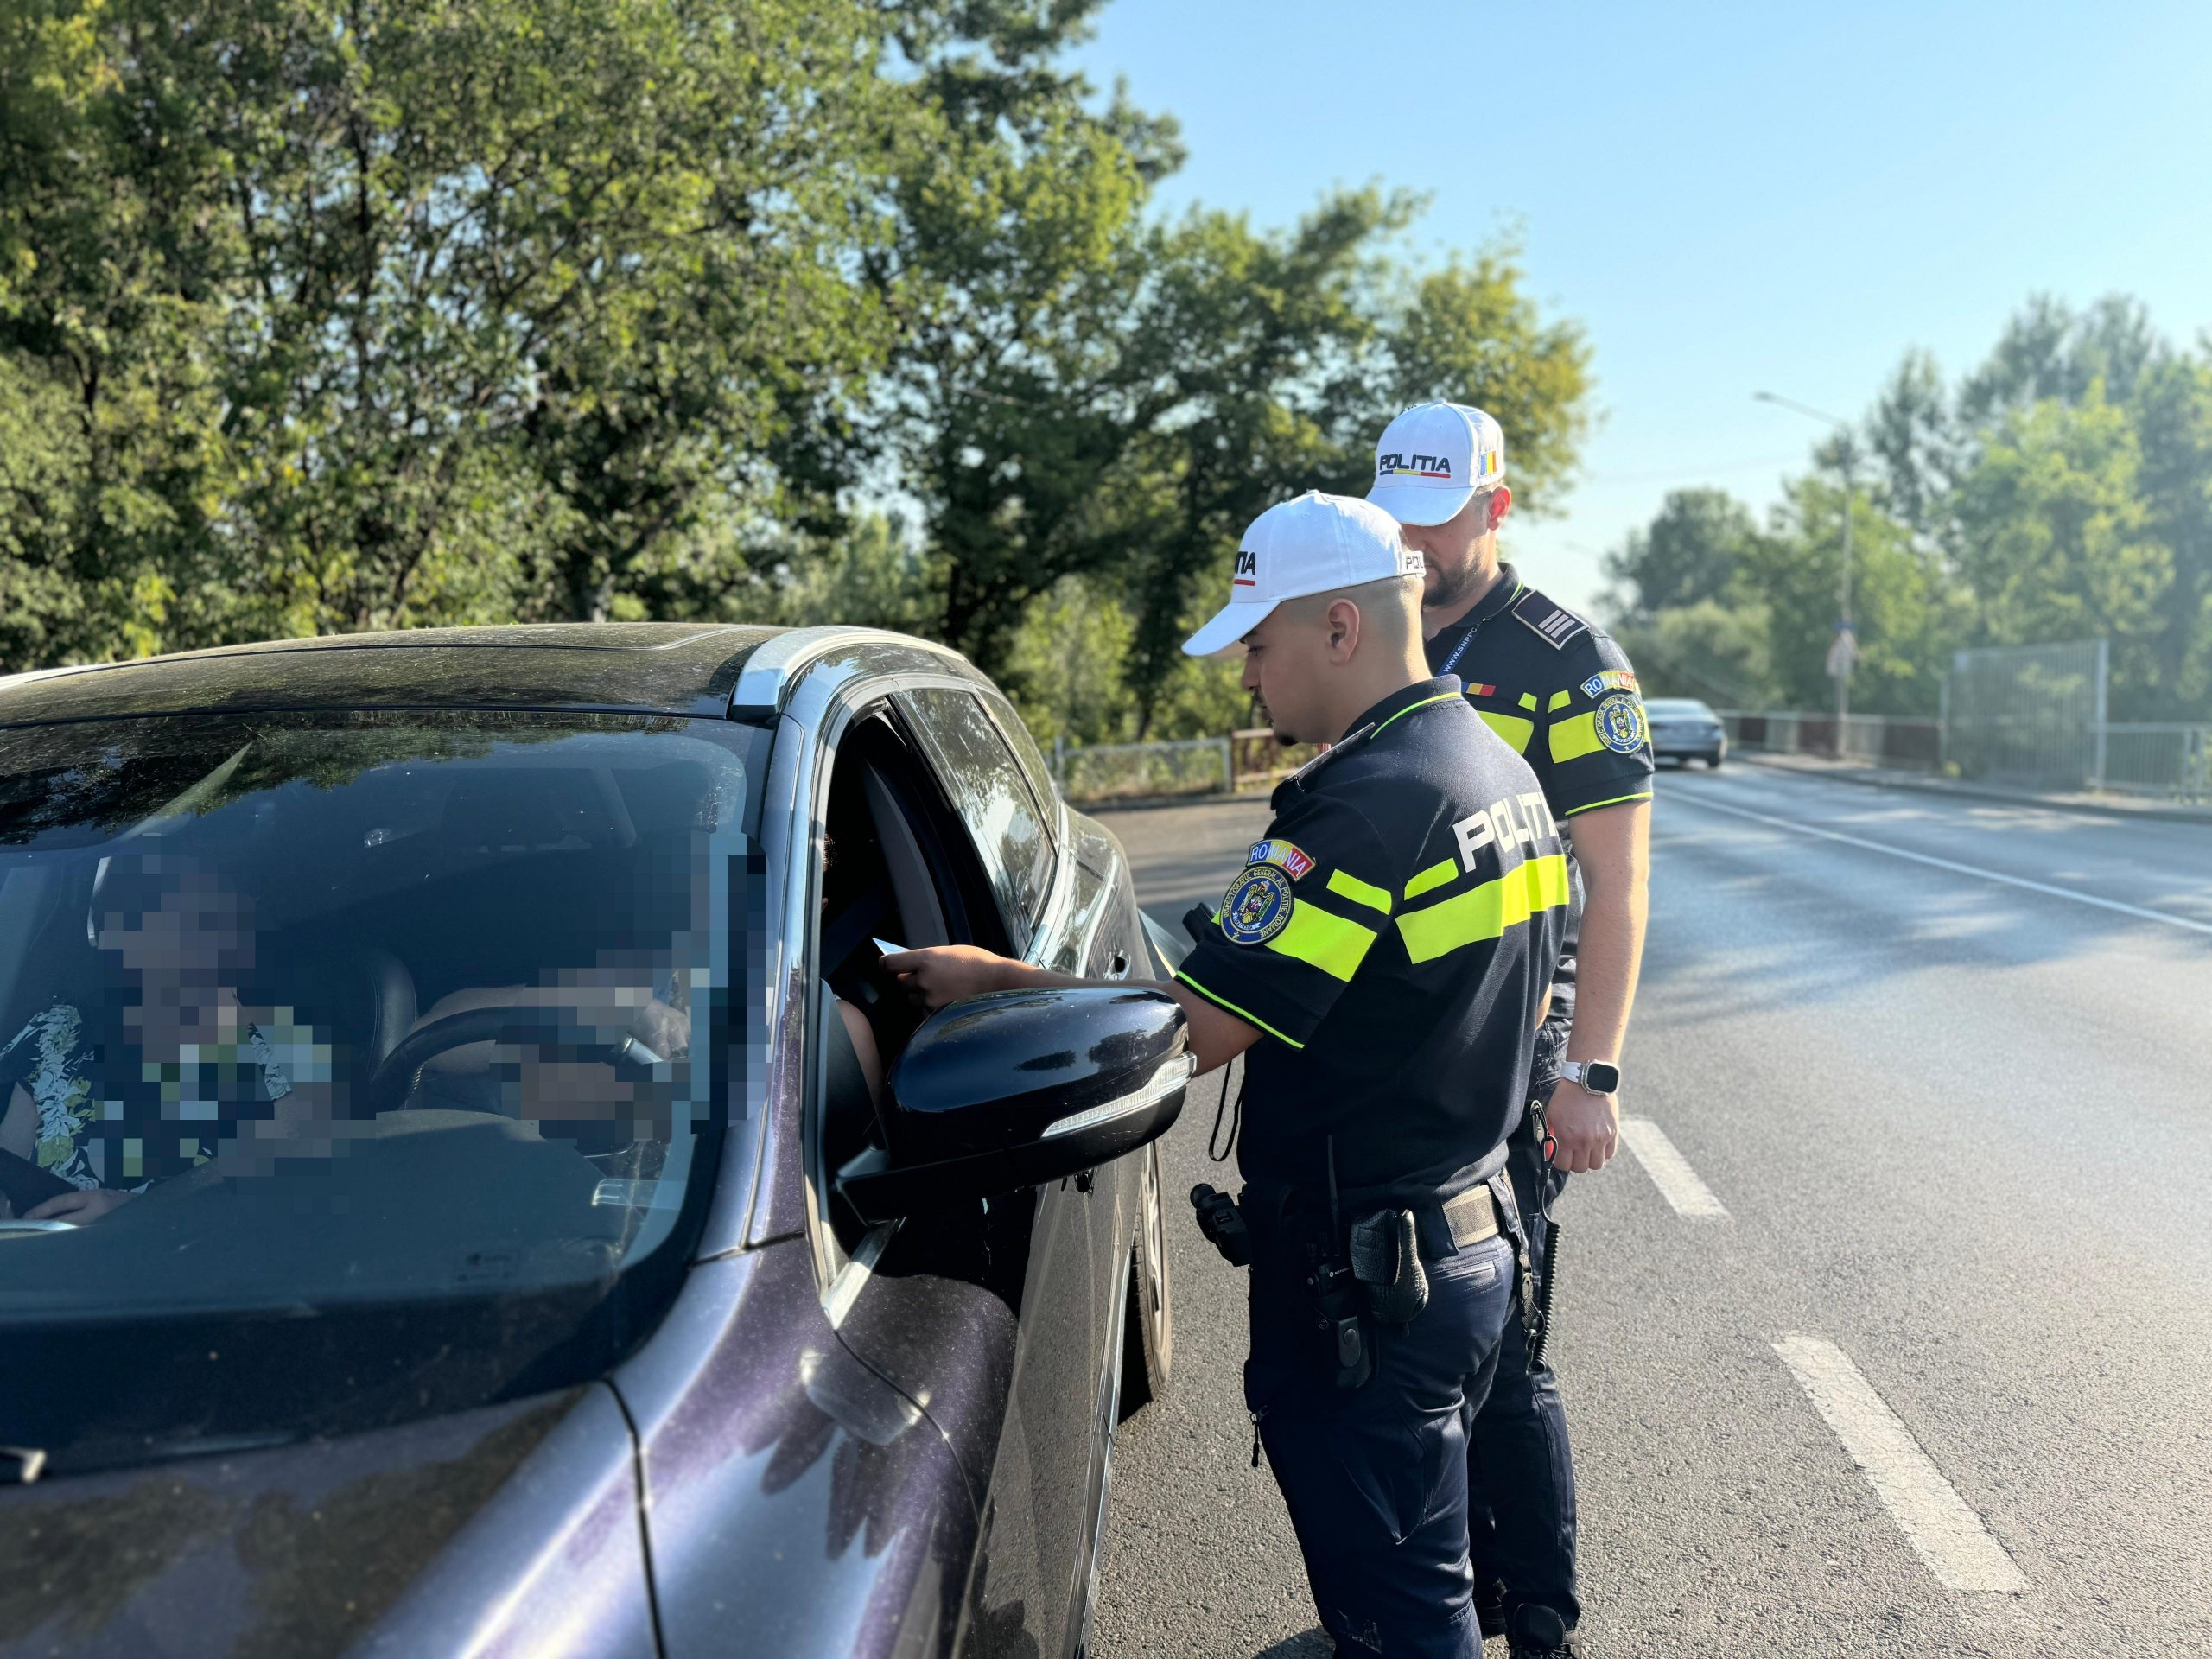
[1938,1379]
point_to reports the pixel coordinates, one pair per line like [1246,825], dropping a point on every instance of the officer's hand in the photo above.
[939,974]
[1585,1127]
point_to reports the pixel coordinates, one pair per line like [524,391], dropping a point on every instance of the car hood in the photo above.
[285,1551]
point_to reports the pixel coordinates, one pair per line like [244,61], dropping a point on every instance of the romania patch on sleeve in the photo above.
[1620,722]
[1257,906]
[1612,679]
[1292,860]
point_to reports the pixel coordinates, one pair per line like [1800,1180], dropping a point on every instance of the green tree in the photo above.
[1710,649]
[1903,609]
[2055,542]
[2172,416]
[371,315]
[1691,552]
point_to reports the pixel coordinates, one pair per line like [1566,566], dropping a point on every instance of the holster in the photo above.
[1296,1262]
[1385,1252]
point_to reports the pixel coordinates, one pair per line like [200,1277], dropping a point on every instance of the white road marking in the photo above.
[1950,1537]
[2078,897]
[1669,1171]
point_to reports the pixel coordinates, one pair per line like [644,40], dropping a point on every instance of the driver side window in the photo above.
[891,862]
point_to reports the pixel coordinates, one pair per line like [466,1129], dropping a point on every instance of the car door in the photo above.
[1047,1482]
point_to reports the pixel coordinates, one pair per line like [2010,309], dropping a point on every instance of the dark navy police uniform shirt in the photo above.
[1562,696]
[1392,938]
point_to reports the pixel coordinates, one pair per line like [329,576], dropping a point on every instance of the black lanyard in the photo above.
[1473,628]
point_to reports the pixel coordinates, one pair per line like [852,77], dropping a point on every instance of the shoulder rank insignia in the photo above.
[1612,679]
[1291,861]
[1257,906]
[1552,623]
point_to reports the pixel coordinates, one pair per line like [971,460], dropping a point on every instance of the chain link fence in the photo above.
[1099,772]
[1111,771]
[2029,716]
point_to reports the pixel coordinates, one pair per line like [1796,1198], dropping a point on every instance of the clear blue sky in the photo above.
[1730,197]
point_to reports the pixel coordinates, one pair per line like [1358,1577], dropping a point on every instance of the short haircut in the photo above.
[1389,607]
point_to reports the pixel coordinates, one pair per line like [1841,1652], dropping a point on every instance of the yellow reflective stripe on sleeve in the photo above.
[1249,1019]
[1351,888]
[1618,800]
[1484,912]
[1529,701]
[1434,876]
[1323,939]
[1559,699]
[1515,730]
[1575,735]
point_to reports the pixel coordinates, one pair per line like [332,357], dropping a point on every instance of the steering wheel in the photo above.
[402,1070]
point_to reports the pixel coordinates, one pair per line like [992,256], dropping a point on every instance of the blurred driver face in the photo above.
[167,919]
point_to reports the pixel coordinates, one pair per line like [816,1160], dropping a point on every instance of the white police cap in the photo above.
[1312,543]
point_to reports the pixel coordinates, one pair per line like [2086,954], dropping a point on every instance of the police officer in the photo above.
[1384,955]
[1563,694]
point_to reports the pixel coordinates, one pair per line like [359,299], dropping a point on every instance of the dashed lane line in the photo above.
[2044,887]
[1669,1171]
[1949,1536]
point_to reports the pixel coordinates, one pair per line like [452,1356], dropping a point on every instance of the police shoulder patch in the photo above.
[1620,722]
[1549,621]
[1293,861]
[1612,679]
[1257,906]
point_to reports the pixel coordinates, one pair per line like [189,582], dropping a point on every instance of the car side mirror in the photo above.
[1018,1088]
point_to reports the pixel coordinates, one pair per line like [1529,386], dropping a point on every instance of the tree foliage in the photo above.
[330,315]
[2062,491]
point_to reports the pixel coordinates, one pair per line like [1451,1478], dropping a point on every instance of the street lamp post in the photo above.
[1849,645]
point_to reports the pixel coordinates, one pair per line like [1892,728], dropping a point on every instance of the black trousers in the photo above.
[1376,1477]
[1522,1464]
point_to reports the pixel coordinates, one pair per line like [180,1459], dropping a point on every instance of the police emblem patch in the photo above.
[1620,722]
[1257,906]
[1292,861]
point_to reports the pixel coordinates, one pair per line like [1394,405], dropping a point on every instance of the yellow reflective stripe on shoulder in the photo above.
[1484,912]
[1574,736]
[1434,876]
[1351,888]
[1515,731]
[1559,699]
[1327,941]
[1248,1018]
[1529,701]
[1426,702]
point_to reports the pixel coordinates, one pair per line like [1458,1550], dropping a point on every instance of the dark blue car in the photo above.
[471,1189]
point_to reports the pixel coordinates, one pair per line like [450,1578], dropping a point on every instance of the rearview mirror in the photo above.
[1018,1088]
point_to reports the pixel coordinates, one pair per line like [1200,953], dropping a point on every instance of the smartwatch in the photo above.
[1599,1076]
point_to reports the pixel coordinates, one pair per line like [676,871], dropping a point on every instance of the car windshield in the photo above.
[1678,708]
[316,1013]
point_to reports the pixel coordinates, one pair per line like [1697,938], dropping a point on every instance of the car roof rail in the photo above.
[764,683]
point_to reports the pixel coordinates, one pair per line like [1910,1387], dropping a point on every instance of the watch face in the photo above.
[1601,1078]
